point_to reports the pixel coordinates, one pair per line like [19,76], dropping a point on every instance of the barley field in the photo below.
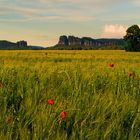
[69,95]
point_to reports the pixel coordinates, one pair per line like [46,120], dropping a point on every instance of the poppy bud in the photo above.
[63,114]
[111,65]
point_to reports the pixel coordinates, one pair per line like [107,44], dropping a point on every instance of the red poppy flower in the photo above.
[63,114]
[50,101]
[111,65]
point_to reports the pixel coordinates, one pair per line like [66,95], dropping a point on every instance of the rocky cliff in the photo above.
[22,43]
[87,41]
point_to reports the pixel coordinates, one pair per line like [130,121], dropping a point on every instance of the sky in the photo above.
[41,22]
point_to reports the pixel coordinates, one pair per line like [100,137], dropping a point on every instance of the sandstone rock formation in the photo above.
[87,41]
[22,43]
[63,40]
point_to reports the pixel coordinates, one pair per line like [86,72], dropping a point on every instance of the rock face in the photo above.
[74,40]
[22,43]
[87,41]
[63,40]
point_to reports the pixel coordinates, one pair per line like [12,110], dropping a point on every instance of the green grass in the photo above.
[101,103]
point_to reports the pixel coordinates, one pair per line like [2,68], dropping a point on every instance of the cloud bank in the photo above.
[114,31]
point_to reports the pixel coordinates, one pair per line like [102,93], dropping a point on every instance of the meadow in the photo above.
[97,91]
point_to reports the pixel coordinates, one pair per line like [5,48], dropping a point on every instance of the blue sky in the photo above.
[41,22]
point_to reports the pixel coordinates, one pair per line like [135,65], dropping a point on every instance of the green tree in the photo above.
[132,38]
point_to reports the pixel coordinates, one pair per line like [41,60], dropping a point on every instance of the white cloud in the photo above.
[114,31]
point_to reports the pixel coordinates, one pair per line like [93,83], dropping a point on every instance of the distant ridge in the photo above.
[88,41]
[20,45]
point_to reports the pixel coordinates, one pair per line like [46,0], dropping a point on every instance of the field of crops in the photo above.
[76,95]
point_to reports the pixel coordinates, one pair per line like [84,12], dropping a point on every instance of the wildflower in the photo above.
[111,65]
[63,114]
[130,74]
[50,101]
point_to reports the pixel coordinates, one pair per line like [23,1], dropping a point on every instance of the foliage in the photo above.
[133,38]
[100,102]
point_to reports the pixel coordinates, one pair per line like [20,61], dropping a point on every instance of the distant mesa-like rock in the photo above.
[22,43]
[87,41]
[63,40]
